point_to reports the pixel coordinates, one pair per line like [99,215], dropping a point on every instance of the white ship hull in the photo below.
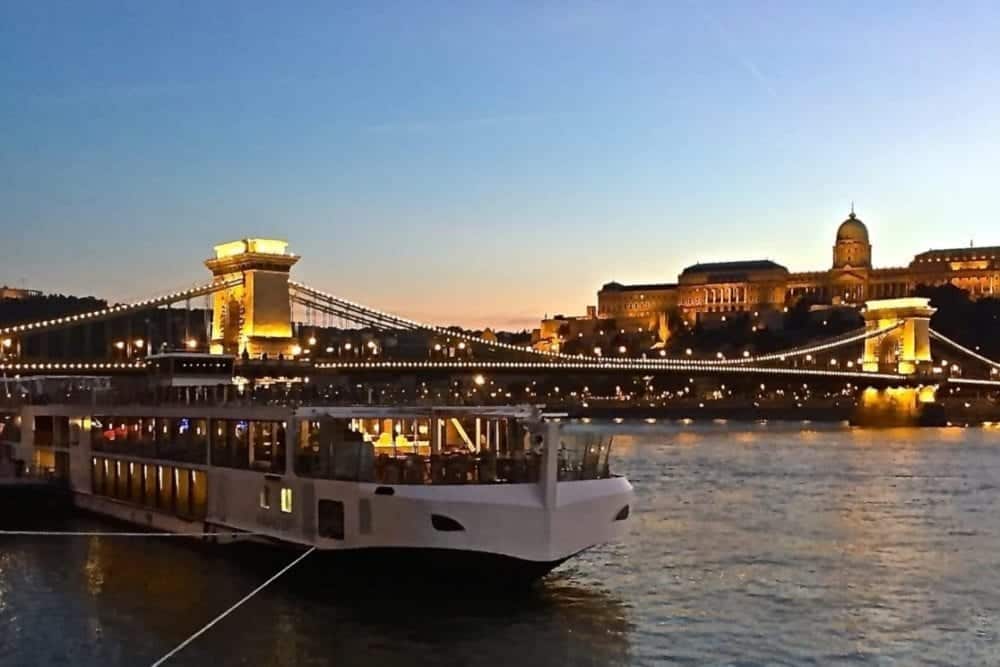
[506,530]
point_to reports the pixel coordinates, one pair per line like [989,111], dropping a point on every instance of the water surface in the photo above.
[749,545]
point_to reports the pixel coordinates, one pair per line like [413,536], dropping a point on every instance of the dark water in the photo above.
[750,545]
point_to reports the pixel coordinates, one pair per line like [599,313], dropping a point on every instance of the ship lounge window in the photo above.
[584,456]
[331,519]
[231,443]
[445,449]
[267,445]
[179,491]
[286,500]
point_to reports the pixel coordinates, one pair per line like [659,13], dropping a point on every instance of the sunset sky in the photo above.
[487,163]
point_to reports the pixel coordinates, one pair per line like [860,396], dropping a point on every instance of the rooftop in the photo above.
[727,267]
[971,252]
[259,246]
[642,287]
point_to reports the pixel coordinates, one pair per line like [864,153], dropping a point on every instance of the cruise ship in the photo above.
[507,492]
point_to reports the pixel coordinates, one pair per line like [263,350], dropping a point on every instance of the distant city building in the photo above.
[706,292]
[17,293]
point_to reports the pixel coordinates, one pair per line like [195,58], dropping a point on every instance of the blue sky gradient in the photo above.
[486,163]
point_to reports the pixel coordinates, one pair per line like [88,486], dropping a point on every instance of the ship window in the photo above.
[286,500]
[265,498]
[331,519]
[445,524]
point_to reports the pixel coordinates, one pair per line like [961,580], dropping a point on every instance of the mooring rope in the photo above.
[221,616]
[87,533]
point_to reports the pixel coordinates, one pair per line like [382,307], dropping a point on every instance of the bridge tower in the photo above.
[256,314]
[905,349]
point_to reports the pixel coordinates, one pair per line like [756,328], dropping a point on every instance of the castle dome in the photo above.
[852,229]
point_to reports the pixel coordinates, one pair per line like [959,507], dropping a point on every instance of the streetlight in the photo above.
[191,343]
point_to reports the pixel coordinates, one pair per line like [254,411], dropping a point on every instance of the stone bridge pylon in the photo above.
[905,349]
[255,314]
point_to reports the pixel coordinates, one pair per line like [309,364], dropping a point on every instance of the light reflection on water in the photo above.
[749,544]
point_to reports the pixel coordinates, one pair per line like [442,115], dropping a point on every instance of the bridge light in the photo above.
[746,353]
[461,345]
[191,343]
[296,350]
[7,342]
[120,344]
[347,346]
[140,343]
[833,362]
[312,340]
[597,351]
[622,349]
[688,352]
[479,380]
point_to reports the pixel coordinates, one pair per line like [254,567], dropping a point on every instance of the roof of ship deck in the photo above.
[390,412]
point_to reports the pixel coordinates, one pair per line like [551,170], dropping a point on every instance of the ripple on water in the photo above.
[749,545]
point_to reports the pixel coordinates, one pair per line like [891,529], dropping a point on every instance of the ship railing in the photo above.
[183,452]
[459,467]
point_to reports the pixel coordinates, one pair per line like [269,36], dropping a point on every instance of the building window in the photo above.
[286,500]
[265,498]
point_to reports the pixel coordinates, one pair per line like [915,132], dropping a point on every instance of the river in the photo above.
[750,544]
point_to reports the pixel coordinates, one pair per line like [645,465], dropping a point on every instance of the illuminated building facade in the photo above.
[17,293]
[707,292]
[704,290]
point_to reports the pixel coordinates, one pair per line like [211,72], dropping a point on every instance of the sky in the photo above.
[487,163]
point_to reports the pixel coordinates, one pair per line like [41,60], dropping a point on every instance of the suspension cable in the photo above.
[374,317]
[122,309]
[972,353]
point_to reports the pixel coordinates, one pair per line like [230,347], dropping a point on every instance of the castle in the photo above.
[707,291]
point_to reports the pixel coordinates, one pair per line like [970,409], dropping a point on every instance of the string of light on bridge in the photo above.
[71,366]
[367,315]
[122,309]
[693,366]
